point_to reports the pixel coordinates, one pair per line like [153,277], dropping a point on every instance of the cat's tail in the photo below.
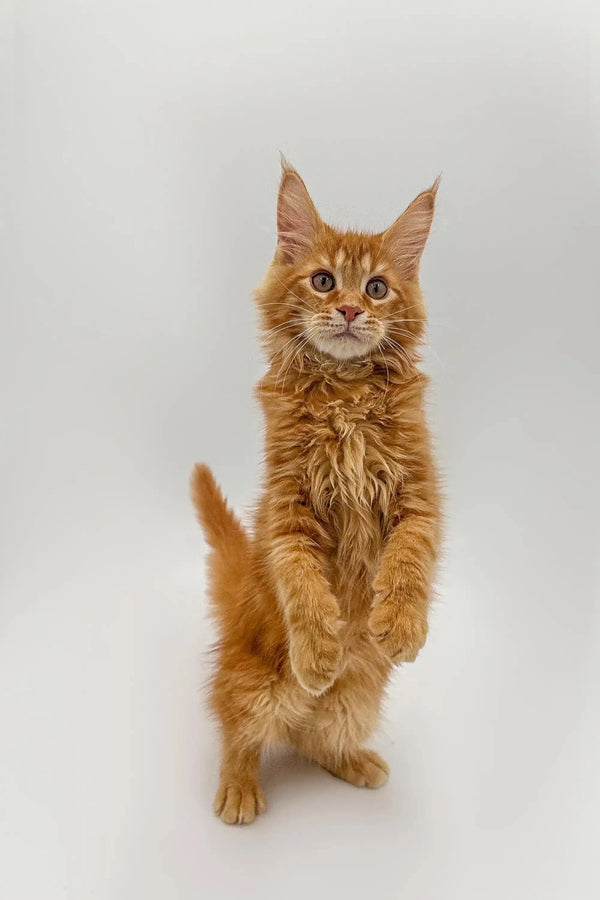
[230,557]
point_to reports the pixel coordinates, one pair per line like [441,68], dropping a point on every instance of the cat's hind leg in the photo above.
[242,693]
[342,722]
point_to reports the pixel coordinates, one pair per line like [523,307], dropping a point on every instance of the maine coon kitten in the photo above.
[332,585]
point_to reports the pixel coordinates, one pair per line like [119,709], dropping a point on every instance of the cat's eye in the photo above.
[323,282]
[376,288]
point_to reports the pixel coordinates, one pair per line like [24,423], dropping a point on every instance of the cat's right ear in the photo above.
[297,218]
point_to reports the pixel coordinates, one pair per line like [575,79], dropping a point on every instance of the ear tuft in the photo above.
[406,238]
[297,219]
[286,165]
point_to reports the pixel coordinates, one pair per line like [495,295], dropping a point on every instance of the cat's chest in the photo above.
[348,462]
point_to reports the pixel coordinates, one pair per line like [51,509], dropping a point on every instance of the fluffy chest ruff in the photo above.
[345,449]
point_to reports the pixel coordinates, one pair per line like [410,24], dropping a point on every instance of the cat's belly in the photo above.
[356,534]
[345,714]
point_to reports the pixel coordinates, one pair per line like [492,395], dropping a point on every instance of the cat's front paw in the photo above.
[399,629]
[315,655]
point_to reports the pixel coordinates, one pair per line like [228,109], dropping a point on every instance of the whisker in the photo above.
[412,306]
[404,355]
[288,348]
[401,319]
[291,362]
[403,333]
[387,369]
[289,355]
[283,284]
[293,321]
[278,303]
[287,344]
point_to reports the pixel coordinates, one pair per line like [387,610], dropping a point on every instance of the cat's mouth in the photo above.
[346,335]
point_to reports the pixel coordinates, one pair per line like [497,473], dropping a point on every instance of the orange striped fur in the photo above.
[332,584]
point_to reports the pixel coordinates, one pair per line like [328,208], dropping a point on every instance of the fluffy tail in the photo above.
[230,558]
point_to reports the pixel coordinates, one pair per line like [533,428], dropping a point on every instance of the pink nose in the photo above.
[349,312]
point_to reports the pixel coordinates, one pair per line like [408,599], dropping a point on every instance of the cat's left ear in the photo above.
[405,239]
[297,218]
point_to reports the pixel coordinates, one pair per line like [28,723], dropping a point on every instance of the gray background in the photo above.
[139,174]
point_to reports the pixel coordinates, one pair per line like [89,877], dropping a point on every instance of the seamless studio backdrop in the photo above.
[140,167]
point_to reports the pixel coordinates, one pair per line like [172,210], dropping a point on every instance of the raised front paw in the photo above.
[315,654]
[399,629]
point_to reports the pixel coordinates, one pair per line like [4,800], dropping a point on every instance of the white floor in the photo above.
[109,764]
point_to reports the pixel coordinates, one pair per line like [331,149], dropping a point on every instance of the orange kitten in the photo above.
[332,585]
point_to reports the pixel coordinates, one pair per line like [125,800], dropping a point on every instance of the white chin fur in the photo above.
[343,347]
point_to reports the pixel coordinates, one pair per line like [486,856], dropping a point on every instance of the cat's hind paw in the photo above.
[364,768]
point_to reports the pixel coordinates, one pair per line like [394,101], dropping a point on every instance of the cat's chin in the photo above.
[344,346]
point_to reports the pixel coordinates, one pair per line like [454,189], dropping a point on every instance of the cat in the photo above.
[332,585]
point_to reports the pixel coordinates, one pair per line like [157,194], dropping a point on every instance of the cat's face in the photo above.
[343,294]
[346,299]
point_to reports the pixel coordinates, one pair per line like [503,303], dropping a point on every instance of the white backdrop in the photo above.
[140,167]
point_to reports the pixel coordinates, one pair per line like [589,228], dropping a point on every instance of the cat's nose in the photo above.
[349,312]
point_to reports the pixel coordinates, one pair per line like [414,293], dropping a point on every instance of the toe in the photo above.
[231,806]
[366,769]
[376,769]
[239,804]
[261,803]
[220,799]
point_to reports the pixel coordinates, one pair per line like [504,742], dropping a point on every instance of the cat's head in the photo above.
[343,295]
